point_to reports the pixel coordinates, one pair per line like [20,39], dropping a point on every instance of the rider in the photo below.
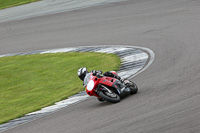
[83,71]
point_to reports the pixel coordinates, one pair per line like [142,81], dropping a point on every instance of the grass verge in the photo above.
[31,82]
[11,3]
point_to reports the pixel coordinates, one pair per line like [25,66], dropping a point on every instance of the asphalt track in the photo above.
[169,95]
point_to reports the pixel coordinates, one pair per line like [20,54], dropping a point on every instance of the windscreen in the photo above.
[86,79]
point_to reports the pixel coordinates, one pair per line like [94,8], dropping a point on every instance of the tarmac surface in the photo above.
[169,95]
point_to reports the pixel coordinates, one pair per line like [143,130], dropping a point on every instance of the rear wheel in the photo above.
[133,87]
[109,96]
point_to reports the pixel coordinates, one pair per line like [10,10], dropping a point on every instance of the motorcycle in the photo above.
[108,88]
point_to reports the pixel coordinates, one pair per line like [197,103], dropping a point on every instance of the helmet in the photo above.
[82,73]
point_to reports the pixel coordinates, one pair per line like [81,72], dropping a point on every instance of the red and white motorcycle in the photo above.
[108,88]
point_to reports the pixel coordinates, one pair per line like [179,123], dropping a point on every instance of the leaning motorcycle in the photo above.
[108,88]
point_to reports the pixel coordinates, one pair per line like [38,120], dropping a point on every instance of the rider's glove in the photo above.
[94,72]
[100,72]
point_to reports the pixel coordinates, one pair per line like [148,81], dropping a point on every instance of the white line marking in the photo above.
[146,54]
[58,50]
[135,57]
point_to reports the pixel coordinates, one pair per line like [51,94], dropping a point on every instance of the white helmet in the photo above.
[82,73]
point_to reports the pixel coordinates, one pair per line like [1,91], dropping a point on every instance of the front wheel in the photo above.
[110,97]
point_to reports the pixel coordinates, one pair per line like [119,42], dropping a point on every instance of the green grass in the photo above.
[11,3]
[31,82]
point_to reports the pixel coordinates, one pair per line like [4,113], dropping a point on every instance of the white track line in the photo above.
[142,57]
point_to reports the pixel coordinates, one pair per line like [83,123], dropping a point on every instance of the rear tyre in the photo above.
[110,97]
[133,87]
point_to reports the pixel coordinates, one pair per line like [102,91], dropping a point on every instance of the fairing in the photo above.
[93,84]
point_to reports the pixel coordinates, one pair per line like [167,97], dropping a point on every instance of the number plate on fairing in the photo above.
[90,85]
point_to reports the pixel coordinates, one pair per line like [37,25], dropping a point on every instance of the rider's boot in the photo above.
[125,90]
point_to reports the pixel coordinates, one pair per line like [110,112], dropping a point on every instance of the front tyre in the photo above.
[110,97]
[100,99]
